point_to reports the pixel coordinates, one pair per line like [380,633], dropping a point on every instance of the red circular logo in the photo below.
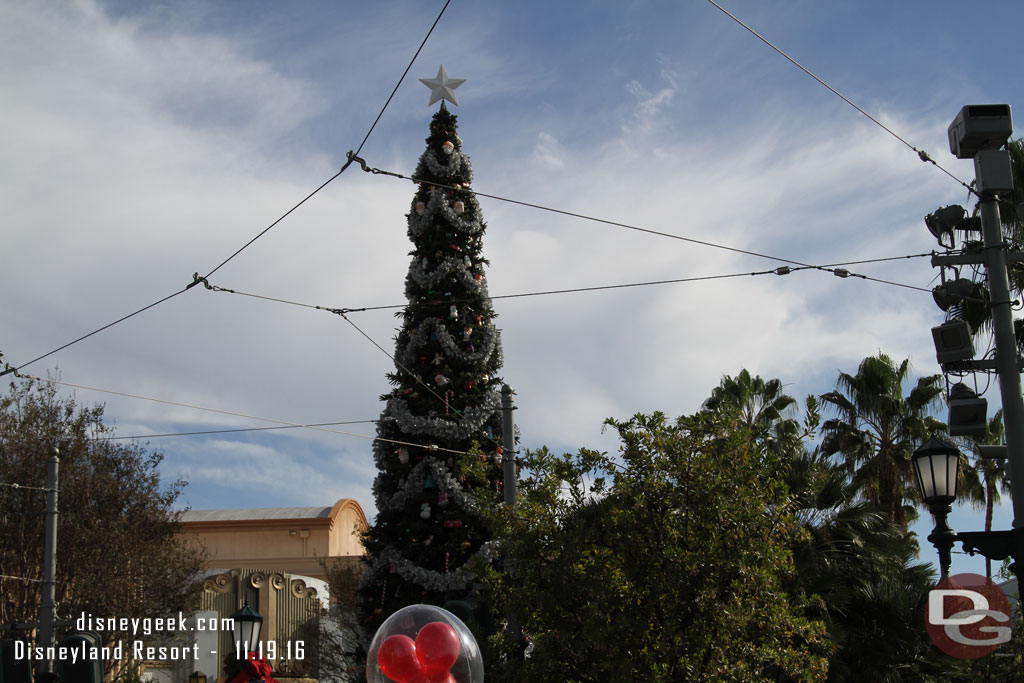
[967,616]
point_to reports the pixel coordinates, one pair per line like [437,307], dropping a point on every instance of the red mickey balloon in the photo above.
[437,648]
[397,659]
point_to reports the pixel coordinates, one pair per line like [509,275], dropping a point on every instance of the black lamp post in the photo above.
[247,623]
[937,464]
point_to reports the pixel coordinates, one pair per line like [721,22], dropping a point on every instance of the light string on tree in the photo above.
[416,479]
[390,559]
[395,408]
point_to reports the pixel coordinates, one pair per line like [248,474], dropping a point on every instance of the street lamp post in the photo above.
[937,465]
[246,626]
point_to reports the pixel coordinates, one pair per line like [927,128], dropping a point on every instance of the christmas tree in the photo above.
[428,536]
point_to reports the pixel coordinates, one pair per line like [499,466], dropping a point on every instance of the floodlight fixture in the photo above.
[952,293]
[953,342]
[945,220]
[967,412]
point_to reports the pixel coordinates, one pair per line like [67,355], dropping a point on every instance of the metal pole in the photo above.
[508,445]
[508,461]
[1006,350]
[47,607]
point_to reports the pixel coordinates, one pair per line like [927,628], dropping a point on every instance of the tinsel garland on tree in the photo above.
[428,534]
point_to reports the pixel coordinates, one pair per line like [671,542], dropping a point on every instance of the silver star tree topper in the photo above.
[442,87]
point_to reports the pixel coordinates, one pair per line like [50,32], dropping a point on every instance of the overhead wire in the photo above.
[626,226]
[784,270]
[24,486]
[349,161]
[21,578]
[921,154]
[11,369]
[416,377]
[230,431]
[219,411]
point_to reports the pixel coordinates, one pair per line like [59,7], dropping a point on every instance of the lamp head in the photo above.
[247,625]
[937,466]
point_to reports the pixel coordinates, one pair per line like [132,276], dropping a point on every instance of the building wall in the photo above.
[294,545]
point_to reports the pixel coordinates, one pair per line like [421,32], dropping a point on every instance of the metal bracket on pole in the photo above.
[973,258]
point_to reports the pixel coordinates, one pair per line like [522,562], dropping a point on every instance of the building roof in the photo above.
[255,513]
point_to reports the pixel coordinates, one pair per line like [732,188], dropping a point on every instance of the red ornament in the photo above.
[453,524]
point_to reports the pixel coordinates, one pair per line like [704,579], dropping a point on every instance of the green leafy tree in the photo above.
[119,553]
[428,537]
[669,564]
[876,429]
[856,567]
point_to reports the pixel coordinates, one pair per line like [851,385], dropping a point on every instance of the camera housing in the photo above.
[979,127]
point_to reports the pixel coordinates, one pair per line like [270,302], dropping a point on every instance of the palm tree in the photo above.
[876,428]
[759,404]
[989,476]
[861,569]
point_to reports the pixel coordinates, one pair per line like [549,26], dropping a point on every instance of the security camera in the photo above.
[978,127]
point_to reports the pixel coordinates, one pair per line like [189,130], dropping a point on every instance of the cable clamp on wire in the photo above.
[923,156]
[352,157]
[196,280]
[783,270]
[9,369]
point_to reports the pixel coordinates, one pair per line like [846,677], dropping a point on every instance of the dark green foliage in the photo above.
[670,566]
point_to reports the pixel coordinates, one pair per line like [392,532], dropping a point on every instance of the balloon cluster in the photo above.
[424,644]
[428,659]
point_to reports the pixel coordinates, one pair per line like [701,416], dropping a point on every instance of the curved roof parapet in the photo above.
[249,514]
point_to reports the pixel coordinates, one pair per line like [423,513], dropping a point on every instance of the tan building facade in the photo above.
[291,540]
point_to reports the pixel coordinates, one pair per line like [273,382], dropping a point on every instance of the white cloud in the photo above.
[547,152]
[140,156]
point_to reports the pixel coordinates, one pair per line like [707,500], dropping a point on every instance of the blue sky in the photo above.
[148,141]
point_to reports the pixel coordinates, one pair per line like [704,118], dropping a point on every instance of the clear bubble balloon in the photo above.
[424,644]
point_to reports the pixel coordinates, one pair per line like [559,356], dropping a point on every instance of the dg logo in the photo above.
[967,616]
